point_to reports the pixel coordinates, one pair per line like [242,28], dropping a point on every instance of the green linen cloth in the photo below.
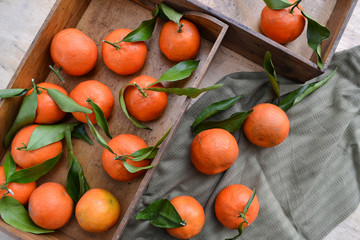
[306,185]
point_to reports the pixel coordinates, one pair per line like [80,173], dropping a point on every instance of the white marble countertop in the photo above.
[20,21]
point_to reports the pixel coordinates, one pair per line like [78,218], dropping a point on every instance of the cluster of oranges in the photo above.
[76,54]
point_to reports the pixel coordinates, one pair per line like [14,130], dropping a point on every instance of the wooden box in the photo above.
[97,19]
[294,60]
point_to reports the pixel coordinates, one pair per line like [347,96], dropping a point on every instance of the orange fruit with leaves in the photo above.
[47,111]
[123,145]
[282,26]
[146,105]
[230,204]
[21,191]
[26,159]
[50,206]
[191,211]
[97,210]
[96,91]
[213,151]
[179,42]
[267,126]
[123,58]
[74,52]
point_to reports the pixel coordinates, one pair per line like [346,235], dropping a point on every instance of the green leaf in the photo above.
[161,213]
[133,169]
[143,32]
[180,71]
[214,108]
[270,71]
[149,152]
[97,136]
[46,134]
[14,214]
[25,116]
[9,166]
[65,103]
[123,108]
[76,183]
[230,124]
[278,4]
[33,173]
[316,33]
[240,230]
[170,13]
[79,132]
[14,92]
[250,201]
[296,96]
[100,118]
[190,92]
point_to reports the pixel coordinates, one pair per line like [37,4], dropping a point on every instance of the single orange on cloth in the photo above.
[74,52]
[145,108]
[98,92]
[21,191]
[191,211]
[282,26]
[231,201]
[97,210]
[267,126]
[26,159]
[122,145]
[50,206]
[128,58]
[213,151]
[47,111]
[179,45]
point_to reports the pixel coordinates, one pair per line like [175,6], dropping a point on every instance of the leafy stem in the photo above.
[296,4]
[140,89]
[115,45]
[22,148]
[180,27]
[247,206]
[7,191]
[57,72]
[36,88]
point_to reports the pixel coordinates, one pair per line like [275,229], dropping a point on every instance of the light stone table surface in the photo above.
[20,20]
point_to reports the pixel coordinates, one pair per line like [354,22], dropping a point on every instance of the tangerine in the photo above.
[230,203]
[179,43]
[192,212]
[125,59]
[213,151]
[97,210]
[50,206]
[47,111]
[73,51]
[21,191]
[282,25]
[123,145]
[267,126]
[98,92]
[145,108]
[26,159]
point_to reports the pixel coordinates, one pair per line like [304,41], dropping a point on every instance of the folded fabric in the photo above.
[306,185]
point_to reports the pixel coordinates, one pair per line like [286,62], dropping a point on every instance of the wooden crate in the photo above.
[247,40]
[97,19]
